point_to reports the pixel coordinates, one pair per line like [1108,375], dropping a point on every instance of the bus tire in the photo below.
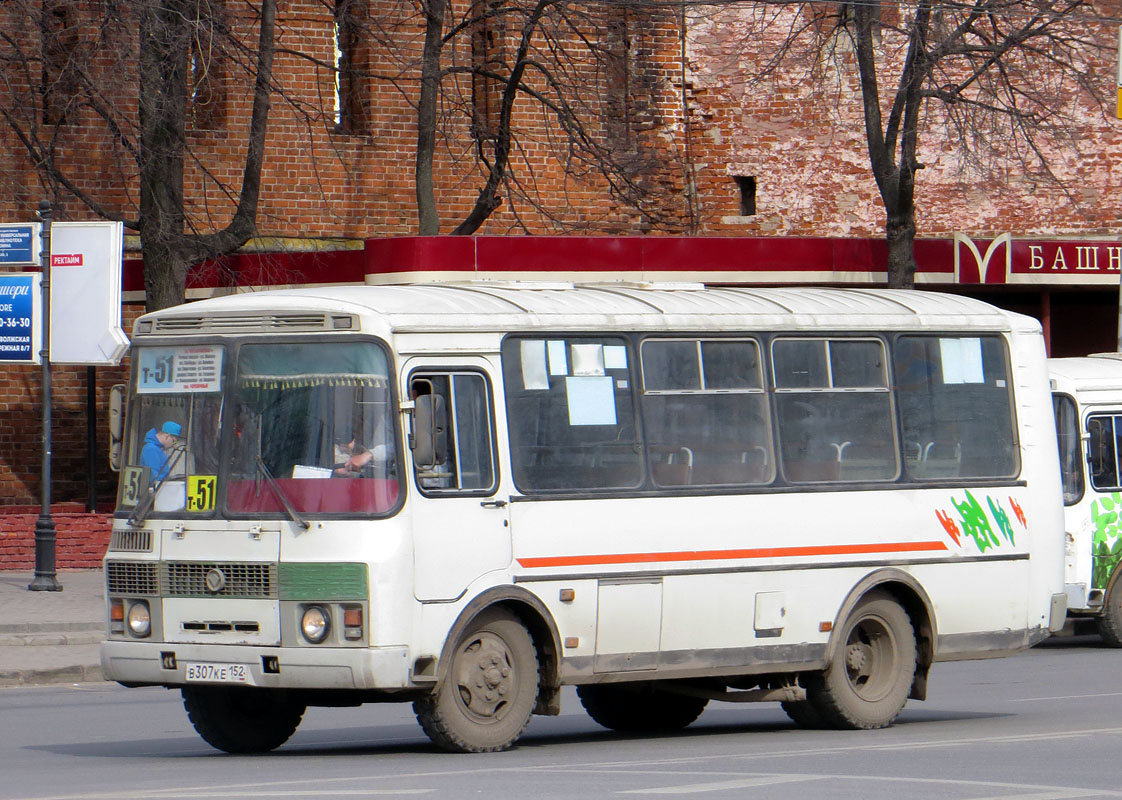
[242,720]
[489,690]
[869,680]
[804,714]
[639,710]
[1109,623]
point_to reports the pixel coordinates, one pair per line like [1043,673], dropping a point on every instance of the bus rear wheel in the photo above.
[242,720]
[489,690]
[1110,623]
[628,708]
[804,714]
[869,680]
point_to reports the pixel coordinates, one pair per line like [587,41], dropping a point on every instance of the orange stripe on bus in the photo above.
[727,555]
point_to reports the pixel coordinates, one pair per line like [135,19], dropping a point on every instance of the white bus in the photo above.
[1087,394]
[469,496]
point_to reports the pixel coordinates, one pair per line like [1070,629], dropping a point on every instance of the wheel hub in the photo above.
[485,677]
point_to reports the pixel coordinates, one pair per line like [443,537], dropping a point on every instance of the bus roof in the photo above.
[513,306]
[1099,372]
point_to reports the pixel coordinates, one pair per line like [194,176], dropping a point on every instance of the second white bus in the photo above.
[468,496]
[1087,393]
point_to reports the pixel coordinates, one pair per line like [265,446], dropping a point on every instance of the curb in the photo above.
[53,636]
[86,673]
[52,627]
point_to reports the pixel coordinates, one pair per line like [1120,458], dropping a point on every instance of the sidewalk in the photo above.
[51,637]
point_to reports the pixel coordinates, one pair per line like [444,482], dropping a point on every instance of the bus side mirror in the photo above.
[116,425]
[430,431]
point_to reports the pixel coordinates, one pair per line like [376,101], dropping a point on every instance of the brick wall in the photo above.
[80,538]
[699,112]
[21,432]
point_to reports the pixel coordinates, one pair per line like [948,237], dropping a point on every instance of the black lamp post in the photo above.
[45,579]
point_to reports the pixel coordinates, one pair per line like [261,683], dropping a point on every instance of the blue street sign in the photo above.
[19,245]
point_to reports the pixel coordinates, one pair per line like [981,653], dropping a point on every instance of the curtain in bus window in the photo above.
[834,410]
[705,413]
[955,407]
[570,413]
[318,417]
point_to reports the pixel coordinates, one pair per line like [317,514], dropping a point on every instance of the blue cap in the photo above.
[172,428]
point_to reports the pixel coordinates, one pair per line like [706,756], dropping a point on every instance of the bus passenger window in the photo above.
[1103,457]
[955,407]
[1067,437]
[453,441]
[570,412]
[834,410]
[705,413]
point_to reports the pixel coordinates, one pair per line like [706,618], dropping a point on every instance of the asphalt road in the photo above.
[1041,725]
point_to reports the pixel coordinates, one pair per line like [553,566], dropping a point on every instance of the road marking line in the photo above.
[717,786]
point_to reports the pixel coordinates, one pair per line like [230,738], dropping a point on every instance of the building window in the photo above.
[488,58]
[206,71]
[351,62]
[619,105]
[60,76]
[746,184]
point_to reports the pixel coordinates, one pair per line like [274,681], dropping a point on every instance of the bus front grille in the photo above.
[189,579]
[132,577]
[132,541]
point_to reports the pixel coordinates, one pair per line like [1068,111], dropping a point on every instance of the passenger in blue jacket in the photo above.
[158,446]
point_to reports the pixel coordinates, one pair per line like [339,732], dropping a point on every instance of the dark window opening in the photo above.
[619,101]
[60,78]
[747,186]
[488,59]
[351,62]
[207,88]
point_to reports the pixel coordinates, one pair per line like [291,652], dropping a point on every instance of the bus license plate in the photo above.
[217,673]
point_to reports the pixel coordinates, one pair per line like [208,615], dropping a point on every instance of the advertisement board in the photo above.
[86,293]
[21,318]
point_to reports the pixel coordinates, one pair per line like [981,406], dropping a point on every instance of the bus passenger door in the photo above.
[460,524]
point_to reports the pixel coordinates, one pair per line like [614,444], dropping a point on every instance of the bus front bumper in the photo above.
[174,664]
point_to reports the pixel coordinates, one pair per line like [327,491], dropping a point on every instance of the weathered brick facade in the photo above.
[684,103]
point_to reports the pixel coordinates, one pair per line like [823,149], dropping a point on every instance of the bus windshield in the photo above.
[302,427]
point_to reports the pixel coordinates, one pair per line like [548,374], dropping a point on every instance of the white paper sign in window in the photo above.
[558,361]
[533,364]
[961,360]
[588,359]
[591,401]
[615,357]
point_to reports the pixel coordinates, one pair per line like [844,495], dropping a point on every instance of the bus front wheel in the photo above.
[489,689]
[242,720]
[868,682]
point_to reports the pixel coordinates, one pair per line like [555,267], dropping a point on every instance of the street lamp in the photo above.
[45,579]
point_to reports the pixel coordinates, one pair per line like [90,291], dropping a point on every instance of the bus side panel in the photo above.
[1040,470]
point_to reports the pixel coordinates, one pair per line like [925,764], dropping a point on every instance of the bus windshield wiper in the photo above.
[280,493]
[136,518]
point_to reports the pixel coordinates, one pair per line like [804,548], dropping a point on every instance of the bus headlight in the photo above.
[315,624]
[140,619]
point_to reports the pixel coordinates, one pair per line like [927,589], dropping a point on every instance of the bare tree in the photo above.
[562,63]
[1001,81]
[64,62]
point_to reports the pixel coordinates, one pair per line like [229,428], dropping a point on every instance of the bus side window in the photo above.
[1103,456]
[453,439]
[1067,437]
